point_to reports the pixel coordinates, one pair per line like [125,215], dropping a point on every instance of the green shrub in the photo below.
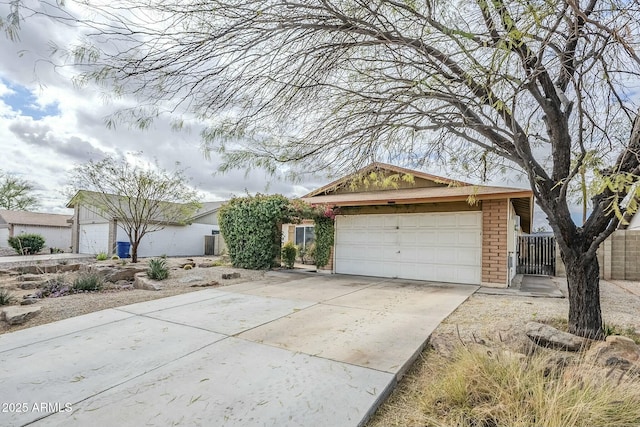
[158,269]
[27,244]
[6,297]
[89,282]
[102,256]
[251,229]
[115,258]
[289,252]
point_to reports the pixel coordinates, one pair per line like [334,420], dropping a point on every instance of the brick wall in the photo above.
[618,257]
[494,243]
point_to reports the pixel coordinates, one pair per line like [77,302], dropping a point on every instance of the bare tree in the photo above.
[141,200]
[338,83]
[16,193]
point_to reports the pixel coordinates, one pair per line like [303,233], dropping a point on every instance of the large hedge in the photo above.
[251,229]
[324,231]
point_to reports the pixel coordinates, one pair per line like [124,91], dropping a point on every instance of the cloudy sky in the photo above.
[47,126]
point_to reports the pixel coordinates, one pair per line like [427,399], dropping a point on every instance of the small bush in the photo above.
[102,256]
[187,267]
[89,282]
[115,258]
[54,288]
[158,269]
[6,297]
[27,244]
[289,252]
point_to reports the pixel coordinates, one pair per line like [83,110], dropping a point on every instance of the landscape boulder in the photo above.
[615,351]
[550,337]
[141,281]
[114,274]
[228,276]
[17,315]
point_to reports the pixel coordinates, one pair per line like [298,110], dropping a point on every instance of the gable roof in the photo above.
[377,166]
[205,208]
[450,191]
[35,218]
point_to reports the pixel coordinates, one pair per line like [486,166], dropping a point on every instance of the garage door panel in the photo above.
[443,247]
[445,220]
[473,221]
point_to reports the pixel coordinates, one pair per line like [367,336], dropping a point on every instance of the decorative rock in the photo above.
[206,265]
[191,279]
[204,285]
[141,281]
[40,269]
[18,315]
[228,276]
[32,285]
[29,301]
[615,351]
[29,277]
[548,336]
[511,335]
[127,273]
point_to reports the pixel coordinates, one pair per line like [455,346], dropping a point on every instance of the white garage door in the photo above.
[94,238]
[443,247]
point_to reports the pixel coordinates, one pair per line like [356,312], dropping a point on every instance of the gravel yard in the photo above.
[180,281]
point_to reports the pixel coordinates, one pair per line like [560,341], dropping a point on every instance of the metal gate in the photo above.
[537,254]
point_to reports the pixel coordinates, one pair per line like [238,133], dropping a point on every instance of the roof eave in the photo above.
[420,200]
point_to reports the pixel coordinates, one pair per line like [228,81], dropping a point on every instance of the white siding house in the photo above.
[94,233]
[55,228]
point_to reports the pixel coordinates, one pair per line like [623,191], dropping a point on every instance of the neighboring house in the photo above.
[93,233]
[433,228]
[55,228]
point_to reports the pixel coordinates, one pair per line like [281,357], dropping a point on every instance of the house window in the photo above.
[305,235]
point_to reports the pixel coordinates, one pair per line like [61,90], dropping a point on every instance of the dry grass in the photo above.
[481,387]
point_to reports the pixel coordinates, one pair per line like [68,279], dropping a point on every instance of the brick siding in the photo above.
[494,242]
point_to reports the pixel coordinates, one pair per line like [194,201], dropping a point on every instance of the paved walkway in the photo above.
[289,350]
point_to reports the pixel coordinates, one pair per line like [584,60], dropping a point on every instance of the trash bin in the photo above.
[123,249]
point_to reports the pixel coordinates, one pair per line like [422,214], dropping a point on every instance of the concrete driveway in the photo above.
[291,349]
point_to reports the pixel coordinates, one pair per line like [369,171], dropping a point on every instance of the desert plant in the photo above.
[158,269]
[6,297]
[490,388]
[289,252]
[27,244]
[53,288]
[102,256]
[115,258]
[187,267]
[88,282]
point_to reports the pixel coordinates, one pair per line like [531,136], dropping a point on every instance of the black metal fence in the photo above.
[536,254]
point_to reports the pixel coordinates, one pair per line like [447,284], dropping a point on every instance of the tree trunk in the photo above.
[134,252]
[585,317]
